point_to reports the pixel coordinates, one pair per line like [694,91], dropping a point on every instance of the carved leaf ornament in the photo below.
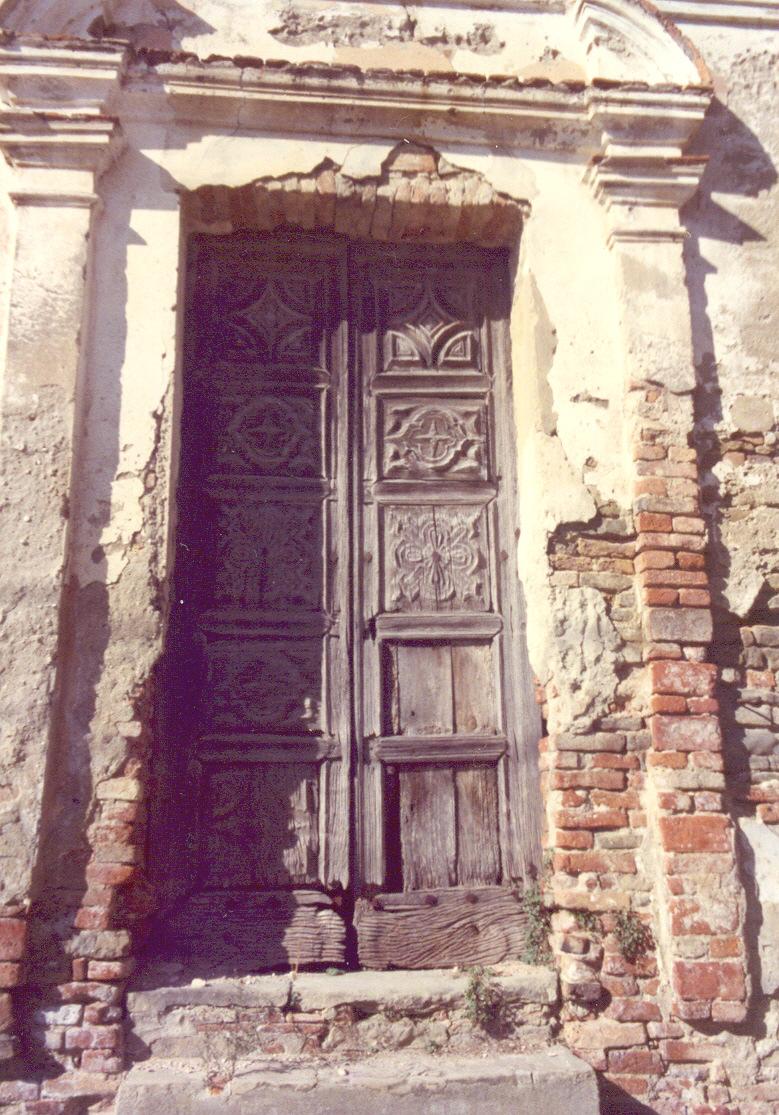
[427,326]
[268,555]
[277,326]
[269,687]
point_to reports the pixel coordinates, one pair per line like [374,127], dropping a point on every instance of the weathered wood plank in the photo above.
[286,816]
[440,929]
[254,932]
[438,625]
[447,491]
[334,823]
[473,682]
[438,749]
[259,825]
[478,851]
[424,680]
[427,828]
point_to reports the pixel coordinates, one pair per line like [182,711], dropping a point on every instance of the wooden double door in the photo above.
[348,772]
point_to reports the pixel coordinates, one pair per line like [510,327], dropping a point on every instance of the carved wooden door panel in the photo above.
[351,716]
[445,786]
[261,739]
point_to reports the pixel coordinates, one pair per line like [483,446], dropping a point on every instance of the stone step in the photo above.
[354,1013]
[554,1082]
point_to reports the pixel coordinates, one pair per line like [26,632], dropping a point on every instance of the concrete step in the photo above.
[551,1082]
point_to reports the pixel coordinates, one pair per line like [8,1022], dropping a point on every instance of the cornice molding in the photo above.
[342,101]
[60,103]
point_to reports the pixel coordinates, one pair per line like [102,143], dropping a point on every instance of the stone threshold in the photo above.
[399,991]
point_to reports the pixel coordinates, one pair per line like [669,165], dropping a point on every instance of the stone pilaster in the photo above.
[55,155]
[699,903]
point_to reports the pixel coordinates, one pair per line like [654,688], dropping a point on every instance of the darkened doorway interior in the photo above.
[346,774]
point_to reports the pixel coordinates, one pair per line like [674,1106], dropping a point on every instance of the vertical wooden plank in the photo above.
[373,825]
[473,680]
[425,689]
[370,688]
[427,828]
[226,809]
[478,853]
[334,794]
[523,814]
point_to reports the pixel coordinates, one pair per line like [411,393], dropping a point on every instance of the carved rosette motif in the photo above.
[269,555]
[265,686]
[275,436]
[278,325]
[436,559]
[429,326]
[434,439]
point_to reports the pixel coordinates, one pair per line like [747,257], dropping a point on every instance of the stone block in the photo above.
[679,625]
[759,847]
[686,733]
[604,1033]
[695,833]
[752,414]
[101,944]
[707,980]
[12,936]
[760,741]
[120,789]
[554,1081]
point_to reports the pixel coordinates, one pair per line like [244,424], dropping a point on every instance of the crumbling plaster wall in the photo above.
[569,391]
[368,34]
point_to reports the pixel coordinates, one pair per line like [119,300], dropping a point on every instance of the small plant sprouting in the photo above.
[484,1005]
[539,924]
[633,936]
[587,921]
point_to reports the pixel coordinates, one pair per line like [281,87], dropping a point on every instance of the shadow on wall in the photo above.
[739,167]
[155,26]
[152,24]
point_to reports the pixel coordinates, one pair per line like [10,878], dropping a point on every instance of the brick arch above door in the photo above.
[418,196]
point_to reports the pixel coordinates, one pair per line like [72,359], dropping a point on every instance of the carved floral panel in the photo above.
[435,559]
[433,439]
[269,555]
[265,686]
[428,325]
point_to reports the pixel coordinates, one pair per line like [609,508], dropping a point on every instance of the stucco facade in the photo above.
[625,158]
